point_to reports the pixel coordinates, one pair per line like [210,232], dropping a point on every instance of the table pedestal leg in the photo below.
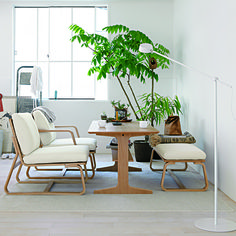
[115,166]
[123,190]
[123,174]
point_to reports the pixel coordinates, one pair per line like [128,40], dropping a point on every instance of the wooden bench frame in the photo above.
[178,182]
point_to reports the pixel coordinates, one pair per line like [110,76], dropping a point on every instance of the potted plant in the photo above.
[155,108]
[103,116]
[120,58]
[120,109]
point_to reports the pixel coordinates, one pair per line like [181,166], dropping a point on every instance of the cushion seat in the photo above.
[180,151]
[91,142]
[59,154]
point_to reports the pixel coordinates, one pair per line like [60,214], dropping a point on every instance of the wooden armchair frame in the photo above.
[42,180]
[91,152]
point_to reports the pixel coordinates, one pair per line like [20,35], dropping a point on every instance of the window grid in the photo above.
[95,30]
[49,61]
[72,55]
[48,55]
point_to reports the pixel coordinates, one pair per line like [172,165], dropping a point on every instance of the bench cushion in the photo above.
[180,151]
[91,142]
[60,154]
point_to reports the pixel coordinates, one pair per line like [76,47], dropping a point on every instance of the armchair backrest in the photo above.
[26,132]
[42,123]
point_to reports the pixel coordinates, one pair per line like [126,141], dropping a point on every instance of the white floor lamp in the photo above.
[208,224]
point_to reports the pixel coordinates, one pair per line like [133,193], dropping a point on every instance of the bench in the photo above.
[172,153]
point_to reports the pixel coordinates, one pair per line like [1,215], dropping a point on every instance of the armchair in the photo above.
[48,131]
[26,140]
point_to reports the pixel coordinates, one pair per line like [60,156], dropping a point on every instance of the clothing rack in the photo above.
[25,103]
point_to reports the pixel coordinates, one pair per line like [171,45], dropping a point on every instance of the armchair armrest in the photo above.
[61,130]
[69,126]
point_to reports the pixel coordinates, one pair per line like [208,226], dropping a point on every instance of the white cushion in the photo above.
[26,132]
[42,123]
[63,154]
[180,151]
[91,142]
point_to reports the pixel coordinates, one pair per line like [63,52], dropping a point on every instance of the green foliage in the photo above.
[118,105]
[115,29]
[161,107]
[119,56]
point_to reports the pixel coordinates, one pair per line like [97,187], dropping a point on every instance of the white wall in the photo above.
[6,45]
[205,37]
[154,18]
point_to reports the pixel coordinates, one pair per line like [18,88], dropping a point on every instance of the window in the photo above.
[42,37]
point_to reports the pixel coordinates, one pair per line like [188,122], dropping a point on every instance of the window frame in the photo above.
[71,61]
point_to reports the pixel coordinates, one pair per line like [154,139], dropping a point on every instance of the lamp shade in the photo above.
[146,48]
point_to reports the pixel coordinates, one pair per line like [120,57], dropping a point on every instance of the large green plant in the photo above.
[121,58]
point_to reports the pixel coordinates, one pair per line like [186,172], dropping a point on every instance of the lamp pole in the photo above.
[215,153]
[208,224]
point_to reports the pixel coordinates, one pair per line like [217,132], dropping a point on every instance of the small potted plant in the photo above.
[122,110]
[103,116]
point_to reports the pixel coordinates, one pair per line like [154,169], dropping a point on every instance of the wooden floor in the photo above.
[98,223]
[115,224]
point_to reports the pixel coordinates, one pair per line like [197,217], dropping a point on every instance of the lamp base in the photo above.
[222,225]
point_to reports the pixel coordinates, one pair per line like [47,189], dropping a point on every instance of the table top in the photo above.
[131,128]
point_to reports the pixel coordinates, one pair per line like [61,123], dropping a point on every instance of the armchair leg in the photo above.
[18,173]
[94,160]
[53,177]
[93,165]
[10,173]
[50,183]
